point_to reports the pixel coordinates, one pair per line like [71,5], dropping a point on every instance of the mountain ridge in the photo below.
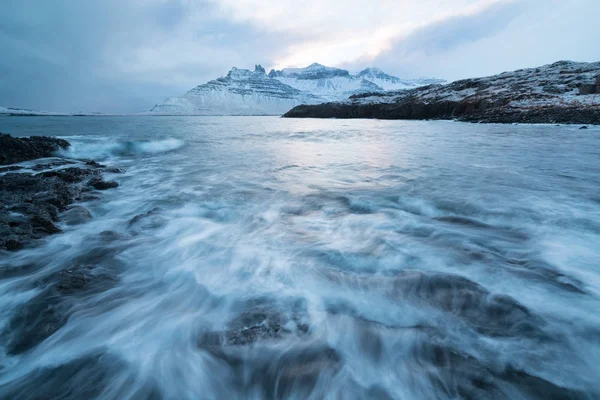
[562,92]
[254,92]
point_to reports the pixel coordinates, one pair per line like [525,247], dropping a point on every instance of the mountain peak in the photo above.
[253,92]
[374,70]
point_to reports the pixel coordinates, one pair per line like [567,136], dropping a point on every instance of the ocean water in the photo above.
[259,257]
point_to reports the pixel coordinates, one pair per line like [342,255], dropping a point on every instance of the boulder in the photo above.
[14,150]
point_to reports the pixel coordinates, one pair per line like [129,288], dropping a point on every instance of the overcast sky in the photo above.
[127,55]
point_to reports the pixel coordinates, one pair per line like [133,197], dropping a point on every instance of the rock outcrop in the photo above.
[563,92]
[33,196]
[14,150]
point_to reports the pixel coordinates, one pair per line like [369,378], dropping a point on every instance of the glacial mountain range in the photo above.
[246,92]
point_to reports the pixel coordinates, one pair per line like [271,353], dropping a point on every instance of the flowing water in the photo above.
[259,257]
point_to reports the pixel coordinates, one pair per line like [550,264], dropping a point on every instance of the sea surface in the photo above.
[260,257]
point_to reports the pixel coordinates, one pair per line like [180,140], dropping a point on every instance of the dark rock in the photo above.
[297,372]
[523,96]
[485,312]
[261,320]
[100,184]
[71,175]
[583,127]
[76,215]
[44,315]
[150,220]
[83,278]
[92,163]
[10,168]
[300,371]
[114,170]
[14,150]
[586,89]
[455,374]
[52,164]
[83,378]
[30,203]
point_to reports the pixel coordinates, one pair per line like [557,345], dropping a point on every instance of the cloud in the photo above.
[126,55]
[119,56]
[503,35]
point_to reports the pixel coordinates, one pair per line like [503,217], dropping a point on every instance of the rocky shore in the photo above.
[564,92]
[37,188]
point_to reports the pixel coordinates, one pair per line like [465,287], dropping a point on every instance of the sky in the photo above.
[124,56]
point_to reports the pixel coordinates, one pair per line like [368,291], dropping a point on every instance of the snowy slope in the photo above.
[241,92]
[245,92]
[389,82]
[328,83]
[562,92]
[24,112]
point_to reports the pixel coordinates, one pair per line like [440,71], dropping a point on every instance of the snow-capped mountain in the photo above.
[245,92]
[328,83]
[389,82]
[241,92]
[562,92]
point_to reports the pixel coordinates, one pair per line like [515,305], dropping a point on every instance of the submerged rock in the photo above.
[76,215]
[261,320]
[49,311]
[456,374]
[488,313]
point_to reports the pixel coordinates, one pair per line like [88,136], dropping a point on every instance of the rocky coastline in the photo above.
[38,188]
[563,93]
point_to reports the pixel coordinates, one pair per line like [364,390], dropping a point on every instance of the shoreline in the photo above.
[33,198]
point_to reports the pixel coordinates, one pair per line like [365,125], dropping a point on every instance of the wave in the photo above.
[107,148]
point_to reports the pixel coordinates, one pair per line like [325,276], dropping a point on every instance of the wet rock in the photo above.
[149,220]
[114,170]
[492,314]
[100,184]
[263,323]
[88,377]
[10,168]
[14,150]
[299,372]
[34,322]
[583,127]
[586,89]
[141,217]
[71,175]
[488,313]
[44,315]
[30,203]
[76,215]
[261,320]
[112,236]
[257,366]
[92,163]
[84,279]
[52,164]
[455,374]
